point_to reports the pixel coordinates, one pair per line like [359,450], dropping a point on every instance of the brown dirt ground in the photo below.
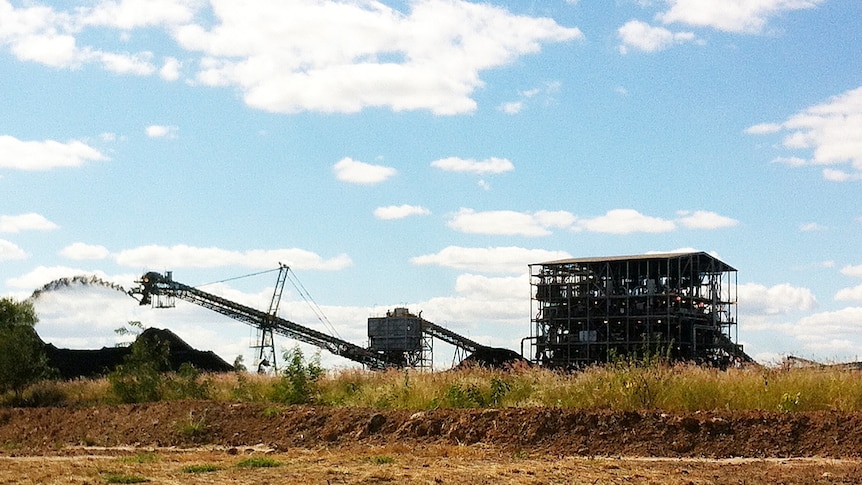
[348,445]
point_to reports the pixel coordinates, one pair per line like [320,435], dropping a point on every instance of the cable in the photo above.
[318,312]
[237,277]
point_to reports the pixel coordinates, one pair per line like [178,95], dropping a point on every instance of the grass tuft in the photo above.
[202,468]
[259,462]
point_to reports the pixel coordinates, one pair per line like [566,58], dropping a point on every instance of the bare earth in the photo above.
[328,445]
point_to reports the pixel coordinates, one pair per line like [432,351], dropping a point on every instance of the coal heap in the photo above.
[72,364]
[493,358]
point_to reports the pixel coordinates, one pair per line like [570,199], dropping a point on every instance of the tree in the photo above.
[22,353]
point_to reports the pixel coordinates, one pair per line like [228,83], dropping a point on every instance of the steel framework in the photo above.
[592,310]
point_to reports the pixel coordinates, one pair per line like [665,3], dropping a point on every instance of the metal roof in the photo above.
[650,256]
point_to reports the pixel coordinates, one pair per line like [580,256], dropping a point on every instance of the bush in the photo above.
[298,383]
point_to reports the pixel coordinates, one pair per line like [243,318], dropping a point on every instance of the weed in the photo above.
[203,468]
[271,411]
[382,460]
[789,402]
[259,462]
[111,477]
[194,427]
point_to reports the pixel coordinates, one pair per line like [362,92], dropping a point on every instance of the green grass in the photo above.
[259,462]
[382,460]
[111,477]
[203,468]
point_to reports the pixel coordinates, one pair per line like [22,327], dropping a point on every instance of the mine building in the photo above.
[681,306]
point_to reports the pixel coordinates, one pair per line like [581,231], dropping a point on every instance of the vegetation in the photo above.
[626,385]
[145,376]
[259,462]
[22,356]
[111,477]
[203,468]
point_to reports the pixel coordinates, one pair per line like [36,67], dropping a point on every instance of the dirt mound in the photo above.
[555,431]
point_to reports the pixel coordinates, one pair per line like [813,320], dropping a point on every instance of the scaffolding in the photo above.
[592,310]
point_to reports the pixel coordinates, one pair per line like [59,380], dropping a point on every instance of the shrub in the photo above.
[298,383]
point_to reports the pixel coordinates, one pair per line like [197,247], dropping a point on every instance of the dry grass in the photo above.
[620,387]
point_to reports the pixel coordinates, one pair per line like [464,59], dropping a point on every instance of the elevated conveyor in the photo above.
[161,290]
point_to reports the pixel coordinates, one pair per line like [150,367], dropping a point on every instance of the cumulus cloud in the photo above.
[705,220]
[830,130]
[170,70]
[132,14]
[286,57]
[780,299]
[625,221]
[491,165]
[82,251]
[740,16]
[850,270]
[849,294]
[400,211]
[345,56]
[361,173]
[510,222]
[162,131]
[26,222]
[9,251]
[646,38]
[616,221]
[488,260]
[45,155]
[183,256]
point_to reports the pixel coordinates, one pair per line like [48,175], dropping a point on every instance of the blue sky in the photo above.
[423,153]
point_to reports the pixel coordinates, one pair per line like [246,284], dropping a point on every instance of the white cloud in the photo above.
[644,37]
[790,161]
[26,222]
[510,222]
[400,211]
[170,70]
[849,294]
[824,326]
[512,107]
[132,14]
[780,299]
[811,227]
[744,16]
[82,251]
[344,56]
[489,260]
[852,270]
[830,130]
[10,251]
[361,173]
[138,64]
[183,256]
[833,175]
[705,220]
[291,56]
[44,155]
[162,131]
[763,129]
[625,221]
[489,165]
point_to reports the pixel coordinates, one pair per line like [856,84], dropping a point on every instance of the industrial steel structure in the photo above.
[400,339]
[593,310]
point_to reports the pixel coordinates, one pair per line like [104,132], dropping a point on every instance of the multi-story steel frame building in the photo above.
[593,310]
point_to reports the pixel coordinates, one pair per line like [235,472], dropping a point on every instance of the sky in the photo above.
[423,153]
